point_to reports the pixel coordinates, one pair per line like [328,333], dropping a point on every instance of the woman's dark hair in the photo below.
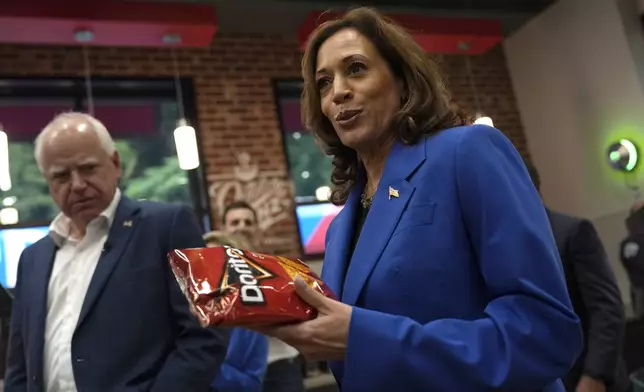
[426,105]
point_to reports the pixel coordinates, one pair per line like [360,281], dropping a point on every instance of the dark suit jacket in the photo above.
[135,331]
[596,299]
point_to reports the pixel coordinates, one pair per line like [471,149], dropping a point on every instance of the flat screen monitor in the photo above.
[313,221]
[12,242]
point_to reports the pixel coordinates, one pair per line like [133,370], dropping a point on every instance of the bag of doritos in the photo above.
[231,287]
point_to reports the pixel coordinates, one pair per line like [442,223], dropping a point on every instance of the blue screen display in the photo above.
[313,221]
[12,243]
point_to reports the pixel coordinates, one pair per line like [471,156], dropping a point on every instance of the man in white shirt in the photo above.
[283,373]
[96,306]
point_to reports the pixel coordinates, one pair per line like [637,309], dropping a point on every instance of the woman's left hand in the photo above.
[323,338]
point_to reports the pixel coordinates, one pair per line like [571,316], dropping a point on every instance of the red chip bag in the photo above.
[230,287]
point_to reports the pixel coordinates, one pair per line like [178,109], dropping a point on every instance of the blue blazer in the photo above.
[455,281]
[135,331]
[245,365]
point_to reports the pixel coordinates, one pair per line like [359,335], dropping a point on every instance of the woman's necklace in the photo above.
[366,201]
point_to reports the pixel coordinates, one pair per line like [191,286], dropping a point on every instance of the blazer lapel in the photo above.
[123,226]
[389,202]
[39,286]
[337,251]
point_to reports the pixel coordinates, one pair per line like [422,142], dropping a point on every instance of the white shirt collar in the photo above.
[60,227]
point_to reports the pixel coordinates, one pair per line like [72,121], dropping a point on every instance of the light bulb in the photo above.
[8,216]
[323,193]
[9,201]
[484,121]
[623,155]
[5,175]
[185,139]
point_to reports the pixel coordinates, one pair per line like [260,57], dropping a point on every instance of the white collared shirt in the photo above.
[74,265]
[278,350]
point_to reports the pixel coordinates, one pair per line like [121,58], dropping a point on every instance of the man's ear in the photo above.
[116,160]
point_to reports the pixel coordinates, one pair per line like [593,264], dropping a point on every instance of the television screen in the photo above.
[12,242]
[313,221]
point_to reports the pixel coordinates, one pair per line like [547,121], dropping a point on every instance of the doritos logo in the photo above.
[245,274]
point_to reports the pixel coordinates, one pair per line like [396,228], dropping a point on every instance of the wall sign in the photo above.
[269,192]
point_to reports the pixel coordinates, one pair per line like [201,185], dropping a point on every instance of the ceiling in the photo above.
[464,5]
[283,17]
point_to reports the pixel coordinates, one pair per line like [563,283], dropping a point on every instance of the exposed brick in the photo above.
[234,97]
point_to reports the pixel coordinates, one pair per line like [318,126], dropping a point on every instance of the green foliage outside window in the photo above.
[310,167]
[147,174]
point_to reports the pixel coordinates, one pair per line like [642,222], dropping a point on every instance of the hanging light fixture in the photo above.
[85,38]
[5,174]
[185,136]
[9,216]
[484,120]
[480,117]
[185,139]
[323,193]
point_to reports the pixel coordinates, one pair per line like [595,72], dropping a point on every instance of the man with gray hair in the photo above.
[96,306]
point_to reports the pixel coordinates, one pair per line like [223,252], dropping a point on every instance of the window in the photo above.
[22,119]
[309,166]
[140,115]
[142,130]
[310,171]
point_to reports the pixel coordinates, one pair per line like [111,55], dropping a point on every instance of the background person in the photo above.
[245,364]
[595,298]
[284,372]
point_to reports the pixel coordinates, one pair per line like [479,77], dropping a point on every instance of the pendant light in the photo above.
[484,120]
[185,139]
[185,136]
[5,174]
[85,38]
[8,213]
[480,117]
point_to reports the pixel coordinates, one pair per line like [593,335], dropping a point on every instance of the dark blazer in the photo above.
[596,299]
[135,331]
[455,281]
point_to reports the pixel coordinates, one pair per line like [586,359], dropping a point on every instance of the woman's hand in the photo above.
[323,338]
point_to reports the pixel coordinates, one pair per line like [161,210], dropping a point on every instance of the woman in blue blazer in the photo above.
[442,258]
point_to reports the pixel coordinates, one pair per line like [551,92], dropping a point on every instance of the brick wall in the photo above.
[494,89]
[237,112]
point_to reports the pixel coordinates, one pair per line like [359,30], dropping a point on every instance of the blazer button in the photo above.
[34,379]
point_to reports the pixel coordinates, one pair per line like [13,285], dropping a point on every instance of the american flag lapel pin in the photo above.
[393,193]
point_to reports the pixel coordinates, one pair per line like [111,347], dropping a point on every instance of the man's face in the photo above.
[82,177]
[241,220]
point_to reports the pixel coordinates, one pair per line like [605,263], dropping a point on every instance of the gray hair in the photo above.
[62,120]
